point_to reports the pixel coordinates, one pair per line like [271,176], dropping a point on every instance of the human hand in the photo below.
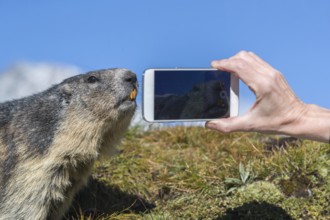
[276,109]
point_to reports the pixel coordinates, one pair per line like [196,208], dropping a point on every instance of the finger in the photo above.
[257,58]
[220,64]
[238,67]
[258,65]
[262,62]
[227,125]
[234,64]
[228,65]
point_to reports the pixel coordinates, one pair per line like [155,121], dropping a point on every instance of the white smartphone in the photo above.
[173,95]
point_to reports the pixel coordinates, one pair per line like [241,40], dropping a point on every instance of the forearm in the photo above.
[314,124]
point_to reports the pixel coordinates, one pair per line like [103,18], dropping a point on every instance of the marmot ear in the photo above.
[66,93]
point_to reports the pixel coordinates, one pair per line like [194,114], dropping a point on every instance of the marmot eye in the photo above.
[92,79]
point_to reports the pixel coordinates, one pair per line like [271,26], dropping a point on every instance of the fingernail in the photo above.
[214,63]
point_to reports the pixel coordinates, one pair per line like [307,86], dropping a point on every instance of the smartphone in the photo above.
[174,95]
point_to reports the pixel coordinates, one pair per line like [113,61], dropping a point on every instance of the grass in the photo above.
[195,173]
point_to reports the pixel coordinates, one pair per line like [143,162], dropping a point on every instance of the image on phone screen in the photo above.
[191,94]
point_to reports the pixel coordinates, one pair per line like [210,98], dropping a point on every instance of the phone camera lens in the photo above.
[223,94]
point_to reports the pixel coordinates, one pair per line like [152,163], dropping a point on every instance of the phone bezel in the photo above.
[148,88]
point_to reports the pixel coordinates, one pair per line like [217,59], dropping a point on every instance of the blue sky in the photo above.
[293,36]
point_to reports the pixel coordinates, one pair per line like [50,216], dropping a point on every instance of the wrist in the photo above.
[312,122]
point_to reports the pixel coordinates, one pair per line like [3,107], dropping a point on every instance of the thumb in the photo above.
[227,125]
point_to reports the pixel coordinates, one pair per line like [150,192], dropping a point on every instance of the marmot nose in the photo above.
[130,77]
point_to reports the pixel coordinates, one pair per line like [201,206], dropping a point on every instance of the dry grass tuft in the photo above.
[195,173]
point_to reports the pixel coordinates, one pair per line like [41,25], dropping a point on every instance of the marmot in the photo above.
[49,141]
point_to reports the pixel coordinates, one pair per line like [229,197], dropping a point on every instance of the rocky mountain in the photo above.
[24,78]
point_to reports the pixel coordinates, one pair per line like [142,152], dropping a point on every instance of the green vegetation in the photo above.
[195,173]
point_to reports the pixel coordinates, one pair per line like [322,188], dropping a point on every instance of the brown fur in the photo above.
[42,185]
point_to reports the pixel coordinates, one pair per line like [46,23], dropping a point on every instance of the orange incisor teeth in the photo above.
[133,94]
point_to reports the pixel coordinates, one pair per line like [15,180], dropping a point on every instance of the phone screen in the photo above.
[191,94]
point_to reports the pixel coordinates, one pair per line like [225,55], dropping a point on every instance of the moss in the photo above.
[180,173]
[260,191]
[298,186]
[316,207]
